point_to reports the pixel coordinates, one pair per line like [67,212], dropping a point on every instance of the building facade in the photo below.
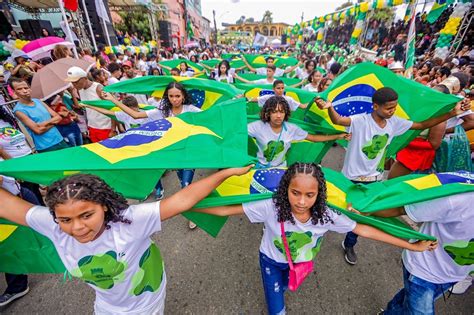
[272,30]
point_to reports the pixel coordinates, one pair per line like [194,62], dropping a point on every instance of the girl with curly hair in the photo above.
[300,203]
[106,242]
[274,134]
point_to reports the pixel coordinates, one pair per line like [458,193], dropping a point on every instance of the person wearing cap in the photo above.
[40,120]
[100,127]
[396,67]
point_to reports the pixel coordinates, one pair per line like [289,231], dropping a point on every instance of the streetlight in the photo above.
[215,24]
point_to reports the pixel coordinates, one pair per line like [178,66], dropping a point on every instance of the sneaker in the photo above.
[7,298]
[462,286]
[192,225]
[349,254]
[159,194]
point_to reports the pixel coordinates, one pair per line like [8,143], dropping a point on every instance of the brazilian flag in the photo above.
[176,62]
[204,93]
[351,94]
[142,154]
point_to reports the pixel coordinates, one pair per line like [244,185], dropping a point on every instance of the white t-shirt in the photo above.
[123,265]
[10,185]
[304,239]
[272,147]
[263,71]
[154,102]
[12,141]
[291,102]
[156,114]
[301,73]
[264,81]
[187,73]
[112,80]
[142,66]
[451,220]
[366,149]
[223,77]
[310,87]
[457,120]
[94,118]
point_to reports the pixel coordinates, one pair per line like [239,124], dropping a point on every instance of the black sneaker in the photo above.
[7,298]
[349,254]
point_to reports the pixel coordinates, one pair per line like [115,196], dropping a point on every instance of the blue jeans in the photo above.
[275,282]
[185,178]
[351,237]
[417,297]
[71,133]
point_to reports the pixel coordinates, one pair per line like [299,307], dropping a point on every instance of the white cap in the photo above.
[74,74]
[397,65]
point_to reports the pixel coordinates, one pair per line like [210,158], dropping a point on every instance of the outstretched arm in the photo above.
[375,234]
[222,210]
[288,70]
[187,197]
[100,110]
[238,77]
[333,115]
[126,109]
[460,108]
[252,69]
[13,208]
[323,138]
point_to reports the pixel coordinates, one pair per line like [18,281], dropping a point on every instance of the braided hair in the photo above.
[165,102]
[282,202]
[271,106]
[86,187]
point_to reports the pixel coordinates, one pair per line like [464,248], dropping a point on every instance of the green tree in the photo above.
[135,21]
[385,15]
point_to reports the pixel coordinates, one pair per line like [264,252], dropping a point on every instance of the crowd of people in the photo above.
[84,216]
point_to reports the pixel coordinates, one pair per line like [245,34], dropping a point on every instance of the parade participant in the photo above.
[428,275]
[274,134]
[270,79]
[270,62]
[100,127]
[371,135]
[40,120]
[313,79]
[299,209]
[106,242]
[309,67]
[279,89]
[324,84]
[175,101]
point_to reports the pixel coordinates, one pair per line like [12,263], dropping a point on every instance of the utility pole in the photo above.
[302,17]
[215,27]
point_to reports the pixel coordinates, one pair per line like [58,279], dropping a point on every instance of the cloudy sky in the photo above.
[288,11]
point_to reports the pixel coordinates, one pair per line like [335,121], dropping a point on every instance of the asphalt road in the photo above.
[222,276]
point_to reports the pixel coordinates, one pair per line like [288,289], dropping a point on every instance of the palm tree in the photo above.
[267,17]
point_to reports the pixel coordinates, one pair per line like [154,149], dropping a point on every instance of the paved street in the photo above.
[222,276]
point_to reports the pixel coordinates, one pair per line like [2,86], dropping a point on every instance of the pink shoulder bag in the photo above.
[298,271]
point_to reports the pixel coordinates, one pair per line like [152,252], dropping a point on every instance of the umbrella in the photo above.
[49,80]
[40,48]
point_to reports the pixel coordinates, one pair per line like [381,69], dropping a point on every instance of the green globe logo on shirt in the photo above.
[296,241]
[149,276]
[375,146]
[273,149]
[102,271]
[462,252]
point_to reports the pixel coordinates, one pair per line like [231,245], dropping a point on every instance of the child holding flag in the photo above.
[273,133]
[299,208]
[106,242]
[279,90]
[371,135]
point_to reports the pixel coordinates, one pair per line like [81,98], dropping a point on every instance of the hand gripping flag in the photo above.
[351,94]
[260,184]
[204,93]
[216,138]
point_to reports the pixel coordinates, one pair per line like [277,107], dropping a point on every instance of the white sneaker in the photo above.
[462,286]
[192,225]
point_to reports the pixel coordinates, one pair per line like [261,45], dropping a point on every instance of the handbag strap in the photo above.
[285,243]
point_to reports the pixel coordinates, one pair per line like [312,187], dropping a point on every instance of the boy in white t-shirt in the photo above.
[279,89]
[427,275]
[270,79]
[371,136]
